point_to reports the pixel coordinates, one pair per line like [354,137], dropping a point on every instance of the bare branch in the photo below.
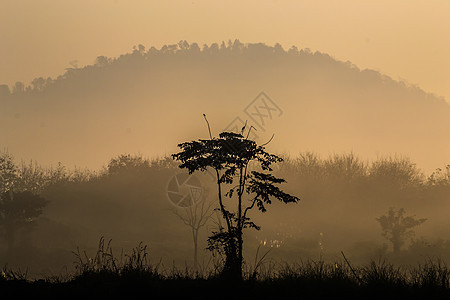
[209,128]
[268,141]
[248,133]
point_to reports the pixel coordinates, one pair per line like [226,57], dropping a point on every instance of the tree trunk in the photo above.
[232,269]
[195,235]
[240,225]
[240,250]
[396,242]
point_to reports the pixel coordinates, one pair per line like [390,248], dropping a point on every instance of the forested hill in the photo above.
[147,101]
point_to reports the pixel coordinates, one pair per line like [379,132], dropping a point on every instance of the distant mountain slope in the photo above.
[149,100]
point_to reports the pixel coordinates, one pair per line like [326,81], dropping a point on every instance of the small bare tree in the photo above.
[195,216]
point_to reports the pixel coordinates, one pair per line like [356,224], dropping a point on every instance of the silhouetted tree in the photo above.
[38,84]
[440,177]
[397,228]
[398,172]
[8,172]
[230,156]
[127,163]
[18,87]
[18,211]
[4,91]
[102,61]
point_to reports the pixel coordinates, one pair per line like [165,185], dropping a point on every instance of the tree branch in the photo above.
[209,129]
[268,141]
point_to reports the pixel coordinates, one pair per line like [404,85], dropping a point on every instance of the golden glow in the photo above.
[403,39]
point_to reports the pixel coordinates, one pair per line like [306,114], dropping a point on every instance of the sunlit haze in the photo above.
[163,123]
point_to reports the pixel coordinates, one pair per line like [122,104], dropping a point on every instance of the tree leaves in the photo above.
[230,156]
[396,227]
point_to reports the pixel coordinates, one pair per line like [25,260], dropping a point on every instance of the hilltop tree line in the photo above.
[142,60]
[141,56]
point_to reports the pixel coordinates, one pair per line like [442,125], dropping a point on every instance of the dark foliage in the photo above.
[230,156]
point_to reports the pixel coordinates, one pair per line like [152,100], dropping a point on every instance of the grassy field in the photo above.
[131,276]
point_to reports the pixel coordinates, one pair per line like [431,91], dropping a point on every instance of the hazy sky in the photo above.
[408,40]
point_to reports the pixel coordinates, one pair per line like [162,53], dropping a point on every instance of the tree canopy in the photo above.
[233,157]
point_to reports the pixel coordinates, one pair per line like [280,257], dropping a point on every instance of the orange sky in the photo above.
[408,40]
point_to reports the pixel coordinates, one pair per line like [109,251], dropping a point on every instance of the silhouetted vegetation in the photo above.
[232,157]
[18,212]
[105,274]
[117,105]
[397,228]
[342,196]
[18,209]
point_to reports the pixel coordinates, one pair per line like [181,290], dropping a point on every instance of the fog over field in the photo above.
[86,153]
